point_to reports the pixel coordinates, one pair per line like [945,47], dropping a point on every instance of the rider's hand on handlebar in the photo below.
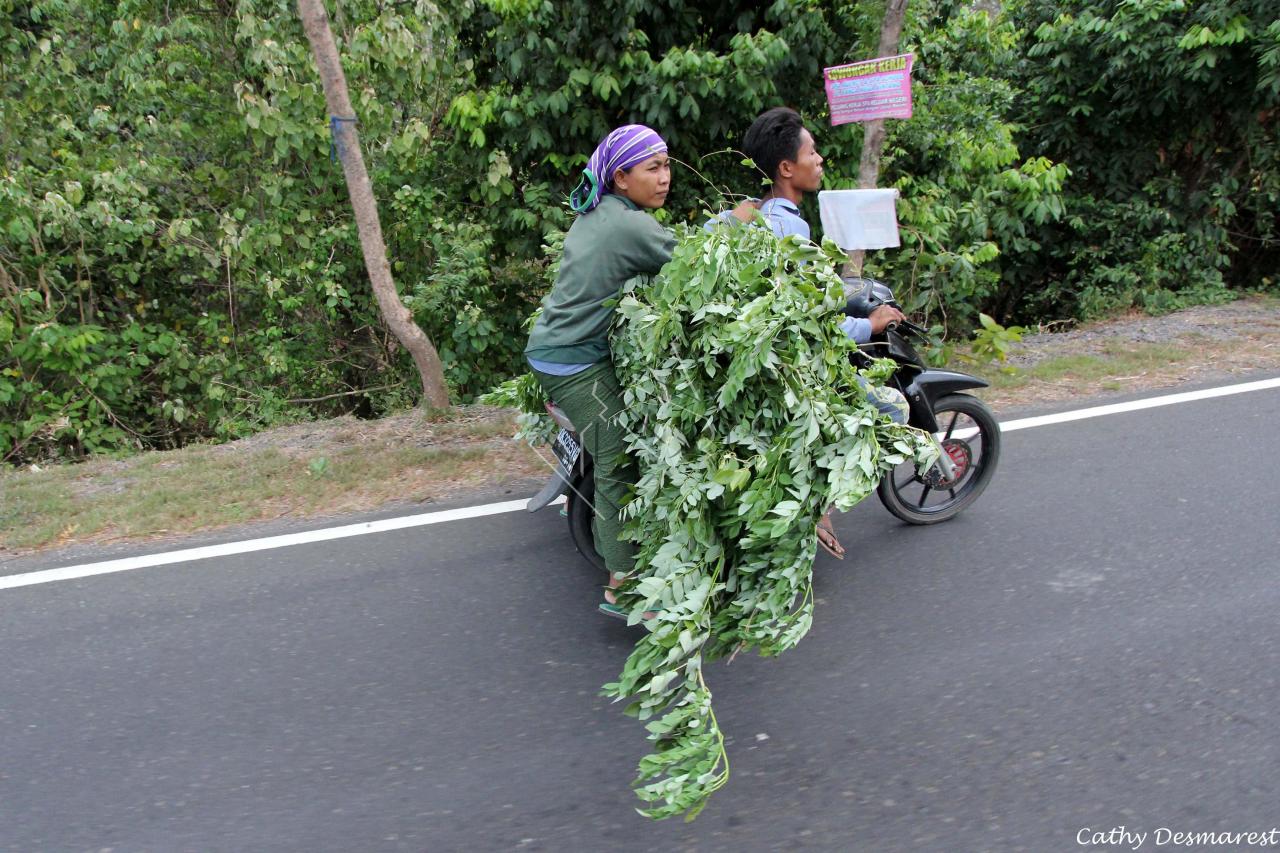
[882,316]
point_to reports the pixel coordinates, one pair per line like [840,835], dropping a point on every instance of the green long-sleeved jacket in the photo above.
[603,249]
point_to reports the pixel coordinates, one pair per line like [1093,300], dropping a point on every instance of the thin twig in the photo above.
[111,415]
[345,394]
[10,288]
[231,300]
[35,432]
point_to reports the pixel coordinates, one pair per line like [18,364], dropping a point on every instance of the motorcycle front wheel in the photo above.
[579,506]
[970,436]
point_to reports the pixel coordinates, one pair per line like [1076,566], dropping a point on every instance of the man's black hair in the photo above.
[773,137]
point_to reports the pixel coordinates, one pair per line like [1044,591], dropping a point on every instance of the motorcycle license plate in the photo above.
[566,448]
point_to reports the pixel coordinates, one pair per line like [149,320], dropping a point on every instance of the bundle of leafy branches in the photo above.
[747,421]
[746,418]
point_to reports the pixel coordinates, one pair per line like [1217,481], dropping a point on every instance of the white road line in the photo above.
[129,564]
[249,545]
[1136,405]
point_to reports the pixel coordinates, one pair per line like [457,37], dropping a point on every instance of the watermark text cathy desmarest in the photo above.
[1122,836]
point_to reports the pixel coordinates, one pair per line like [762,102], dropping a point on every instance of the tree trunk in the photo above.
[315,21]
[874,131]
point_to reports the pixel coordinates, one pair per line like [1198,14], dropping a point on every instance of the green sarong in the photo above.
[593,399]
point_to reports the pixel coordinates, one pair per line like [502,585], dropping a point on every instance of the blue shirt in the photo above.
[553,369]
[784,218]
[781,214]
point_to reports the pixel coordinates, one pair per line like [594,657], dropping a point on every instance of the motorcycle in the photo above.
[964,427]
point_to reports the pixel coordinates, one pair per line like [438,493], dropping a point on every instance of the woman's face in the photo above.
[647,182]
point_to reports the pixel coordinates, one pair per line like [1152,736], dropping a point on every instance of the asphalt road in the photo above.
[1094,644]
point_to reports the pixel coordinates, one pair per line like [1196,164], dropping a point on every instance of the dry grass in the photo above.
[298,471]
[1120,367]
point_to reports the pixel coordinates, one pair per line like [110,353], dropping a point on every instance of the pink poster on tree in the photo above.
[863,91]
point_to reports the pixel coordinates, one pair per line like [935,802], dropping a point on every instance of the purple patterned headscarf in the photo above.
[621,149]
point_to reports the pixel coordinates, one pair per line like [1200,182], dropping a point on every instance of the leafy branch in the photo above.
[747,421]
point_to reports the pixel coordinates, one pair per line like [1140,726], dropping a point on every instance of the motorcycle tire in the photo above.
[579,507]
[969,431]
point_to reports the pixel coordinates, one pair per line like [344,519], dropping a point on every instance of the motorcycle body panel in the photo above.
[570,463]
[930,385]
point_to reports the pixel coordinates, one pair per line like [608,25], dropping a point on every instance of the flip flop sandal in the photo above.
[829,530]
[613,610]
[618,612]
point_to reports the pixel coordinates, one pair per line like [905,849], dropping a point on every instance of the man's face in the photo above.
[647,183]
[806,169]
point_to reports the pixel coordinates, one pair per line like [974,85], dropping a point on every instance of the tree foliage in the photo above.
[969,200]
[178,259]
[178,263]
[1166,111]
[552,79]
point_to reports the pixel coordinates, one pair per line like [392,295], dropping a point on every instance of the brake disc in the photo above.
[961,458]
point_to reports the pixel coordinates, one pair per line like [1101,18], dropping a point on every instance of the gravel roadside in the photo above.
[1192,346]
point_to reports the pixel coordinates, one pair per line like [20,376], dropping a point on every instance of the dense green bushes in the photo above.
[1166,111]
[178,261]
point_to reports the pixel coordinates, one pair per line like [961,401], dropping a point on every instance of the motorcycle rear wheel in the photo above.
[579,507]
[968,430]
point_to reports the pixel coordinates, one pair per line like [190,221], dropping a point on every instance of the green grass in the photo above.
[1117,359]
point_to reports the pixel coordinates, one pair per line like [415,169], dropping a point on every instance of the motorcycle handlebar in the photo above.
[907,326]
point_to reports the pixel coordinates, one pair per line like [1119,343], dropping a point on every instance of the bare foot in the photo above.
[608,590]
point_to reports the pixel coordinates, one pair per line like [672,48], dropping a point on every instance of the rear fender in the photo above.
[555,487]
